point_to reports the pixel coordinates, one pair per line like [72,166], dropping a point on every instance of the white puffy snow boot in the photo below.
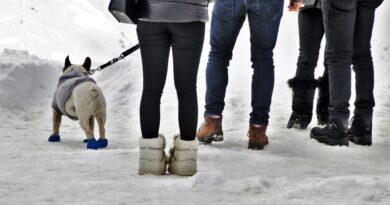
[152,158]
[182,159]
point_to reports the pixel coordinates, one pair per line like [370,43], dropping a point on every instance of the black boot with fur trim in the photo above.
[323,101]
[302,102]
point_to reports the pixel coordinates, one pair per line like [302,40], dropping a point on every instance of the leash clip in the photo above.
[92,71]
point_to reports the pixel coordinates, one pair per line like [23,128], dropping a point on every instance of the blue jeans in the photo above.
[227,19]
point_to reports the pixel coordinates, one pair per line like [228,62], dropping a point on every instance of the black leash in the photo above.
[123,55]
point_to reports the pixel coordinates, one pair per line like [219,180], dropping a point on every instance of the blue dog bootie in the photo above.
[54,138]
[102,143]
[85,140]
[92,144]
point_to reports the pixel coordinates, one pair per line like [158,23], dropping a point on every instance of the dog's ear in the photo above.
[67,62]
[87,63]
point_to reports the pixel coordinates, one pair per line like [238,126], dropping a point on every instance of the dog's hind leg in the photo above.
[101,120]
[55,137]
[92,123]
[85,124]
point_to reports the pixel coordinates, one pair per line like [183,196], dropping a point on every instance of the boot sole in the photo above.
[213,137]
[184,174]
[365,140]
[296,125]
[142,173]
[329,141]
[256,146]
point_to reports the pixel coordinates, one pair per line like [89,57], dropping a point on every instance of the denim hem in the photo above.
[210,114]
[259,122]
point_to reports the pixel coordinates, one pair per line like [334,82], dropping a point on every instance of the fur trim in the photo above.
[158,142]
[304,84]
[187,145]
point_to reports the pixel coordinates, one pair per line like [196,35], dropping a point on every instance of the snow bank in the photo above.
[55,28]
[25,79]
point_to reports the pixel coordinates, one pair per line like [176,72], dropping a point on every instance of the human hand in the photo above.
[295,6]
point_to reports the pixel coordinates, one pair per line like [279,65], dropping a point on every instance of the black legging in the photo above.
[311,32]
[156,39]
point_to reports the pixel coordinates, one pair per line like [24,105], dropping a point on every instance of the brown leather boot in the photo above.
[210,130]
[257,137]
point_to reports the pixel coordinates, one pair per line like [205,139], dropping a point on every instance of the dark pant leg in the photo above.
[324,85]
[155,44]
[339,21]
[264,20]
[227,20]
[187,44]
[311,31]
[362,62]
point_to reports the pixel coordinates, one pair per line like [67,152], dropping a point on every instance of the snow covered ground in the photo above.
[293,169]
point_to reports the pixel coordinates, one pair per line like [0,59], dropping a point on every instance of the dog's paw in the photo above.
[85,140]
[92,144]
[102,143]
[54,138]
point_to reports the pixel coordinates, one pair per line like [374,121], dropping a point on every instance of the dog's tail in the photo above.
[94,93]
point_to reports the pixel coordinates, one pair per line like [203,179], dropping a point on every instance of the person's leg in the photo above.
[187,44]
[227,20]
[264,20]
[339,21]
[360,131]
[311,32]
[155,42]
[154,45]
[362,62]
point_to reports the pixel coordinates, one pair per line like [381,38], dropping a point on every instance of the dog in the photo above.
[78,97]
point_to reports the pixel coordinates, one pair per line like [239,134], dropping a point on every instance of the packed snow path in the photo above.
[293,168]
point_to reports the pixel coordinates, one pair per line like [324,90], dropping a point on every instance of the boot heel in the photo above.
[344,142]
[218,136]
[363,140]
